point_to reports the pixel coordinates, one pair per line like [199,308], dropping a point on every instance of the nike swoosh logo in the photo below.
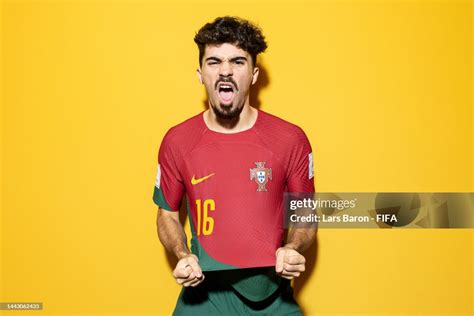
[196,181]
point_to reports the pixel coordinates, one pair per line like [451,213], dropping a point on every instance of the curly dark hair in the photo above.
[233,30]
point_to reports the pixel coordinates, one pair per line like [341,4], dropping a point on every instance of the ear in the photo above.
[256,71]
[198,72]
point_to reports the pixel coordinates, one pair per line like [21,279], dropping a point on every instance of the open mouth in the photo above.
[226,92]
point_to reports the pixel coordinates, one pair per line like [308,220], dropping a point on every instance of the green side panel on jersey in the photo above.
[206,262]
[159,199]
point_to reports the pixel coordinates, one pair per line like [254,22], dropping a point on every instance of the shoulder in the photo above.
[185,131]
[276,128]
[183,137]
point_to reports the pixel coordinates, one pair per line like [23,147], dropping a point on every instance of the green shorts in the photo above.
[212,297]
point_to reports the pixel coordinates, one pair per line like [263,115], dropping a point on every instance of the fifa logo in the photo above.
[261,175]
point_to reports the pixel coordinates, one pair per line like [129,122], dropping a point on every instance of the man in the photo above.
[234,163]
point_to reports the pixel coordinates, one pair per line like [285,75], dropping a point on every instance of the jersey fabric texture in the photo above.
[234,185]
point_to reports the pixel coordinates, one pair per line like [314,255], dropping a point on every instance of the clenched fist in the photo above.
[188,272]
[289,263]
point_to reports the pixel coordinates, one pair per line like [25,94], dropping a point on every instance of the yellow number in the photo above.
[198,211]
[204,221]
[208,222]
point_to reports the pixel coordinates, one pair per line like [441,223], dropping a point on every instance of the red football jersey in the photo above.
[234,184]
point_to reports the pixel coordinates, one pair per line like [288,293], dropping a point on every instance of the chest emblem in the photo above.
[261,176]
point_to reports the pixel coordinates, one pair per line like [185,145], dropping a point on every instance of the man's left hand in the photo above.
[289,263]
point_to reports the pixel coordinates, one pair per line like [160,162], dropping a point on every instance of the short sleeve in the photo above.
[169,187]
[300,176]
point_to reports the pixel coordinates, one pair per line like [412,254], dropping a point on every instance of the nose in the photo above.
[225,69]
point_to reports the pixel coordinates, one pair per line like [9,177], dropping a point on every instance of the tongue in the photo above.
[226,95]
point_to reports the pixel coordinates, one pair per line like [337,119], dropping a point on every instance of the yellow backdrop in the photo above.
[383,90]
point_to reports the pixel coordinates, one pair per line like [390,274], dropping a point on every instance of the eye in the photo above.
[213,61]
[239,62]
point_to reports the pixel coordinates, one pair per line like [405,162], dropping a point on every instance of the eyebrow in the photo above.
[238,58]
[233,59]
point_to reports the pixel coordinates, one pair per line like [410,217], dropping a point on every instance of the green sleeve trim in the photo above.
[159,199]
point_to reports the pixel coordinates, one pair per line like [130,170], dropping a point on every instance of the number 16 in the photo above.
[202,210]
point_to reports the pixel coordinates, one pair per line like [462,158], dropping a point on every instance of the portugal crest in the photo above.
[261,175]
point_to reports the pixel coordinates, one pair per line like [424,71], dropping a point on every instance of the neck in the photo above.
[244,121]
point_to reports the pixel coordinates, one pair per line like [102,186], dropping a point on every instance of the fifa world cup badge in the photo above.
[261,175]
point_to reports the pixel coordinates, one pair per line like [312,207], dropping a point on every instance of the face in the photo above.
[227,72]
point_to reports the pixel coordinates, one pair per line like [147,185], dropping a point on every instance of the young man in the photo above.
[234,163]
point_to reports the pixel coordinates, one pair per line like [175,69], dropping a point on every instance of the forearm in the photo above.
[300,239]
[172,235]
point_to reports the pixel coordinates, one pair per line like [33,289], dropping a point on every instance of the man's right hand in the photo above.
[188,272]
